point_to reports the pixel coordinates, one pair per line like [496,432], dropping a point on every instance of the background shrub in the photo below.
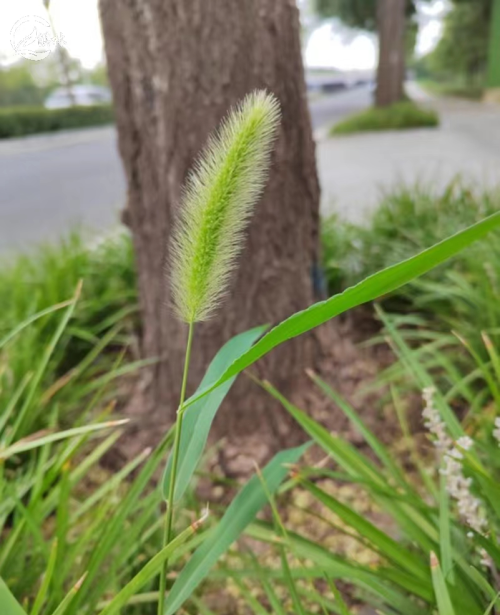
[460,296]
[107,306]
[395,117]
[21,121]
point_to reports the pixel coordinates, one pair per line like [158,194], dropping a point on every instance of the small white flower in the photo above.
[486,560]
[434,422]
[465,442]
[457,485]
[496,432]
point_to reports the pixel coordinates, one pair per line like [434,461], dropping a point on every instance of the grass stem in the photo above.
[169,516]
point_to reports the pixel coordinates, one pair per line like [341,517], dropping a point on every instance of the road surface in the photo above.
[356,170]
[50,183]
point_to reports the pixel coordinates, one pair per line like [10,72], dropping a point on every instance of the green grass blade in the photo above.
[150,570]
[421,376]
[42,366]
[337,568]
[492,604]
[61,532]
[112,532]
[370,289]
[274,601]
[480,580]
[237,517]
[47,578]
[198,418]
[371,439]
[29,444]
[445,532]
[26,323]
[63,606]
[201,607]
[410,442]
[342,606]
[495,359]
[80,471]
[111,484]
[7,413]
[344,454]
[251,602]
[280,529]
[263,575]
[385,545]
[445,606]
[8,604]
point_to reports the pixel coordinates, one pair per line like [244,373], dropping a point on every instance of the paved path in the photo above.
[356,170]
[50,183]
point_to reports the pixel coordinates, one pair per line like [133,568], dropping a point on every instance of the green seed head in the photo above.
[217,204]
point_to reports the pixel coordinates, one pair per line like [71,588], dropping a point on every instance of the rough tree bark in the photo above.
[391,23]
[175,67]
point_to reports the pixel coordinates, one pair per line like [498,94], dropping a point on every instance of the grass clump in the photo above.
[440,499]
[461,295]
[453,310]
[107,308]
[400,116]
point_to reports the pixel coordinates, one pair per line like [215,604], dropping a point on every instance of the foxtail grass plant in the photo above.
[215,210]
[218,202]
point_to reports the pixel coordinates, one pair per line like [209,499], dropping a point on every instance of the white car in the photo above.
[84,95]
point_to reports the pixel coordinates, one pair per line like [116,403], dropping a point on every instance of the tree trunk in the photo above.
[175,67]
[391,25]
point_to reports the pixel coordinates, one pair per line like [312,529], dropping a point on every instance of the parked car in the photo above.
[84,95]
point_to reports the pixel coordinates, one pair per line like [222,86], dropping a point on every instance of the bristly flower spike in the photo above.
[218,201]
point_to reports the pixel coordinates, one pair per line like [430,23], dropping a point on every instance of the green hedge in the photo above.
[400,116]
[20,121]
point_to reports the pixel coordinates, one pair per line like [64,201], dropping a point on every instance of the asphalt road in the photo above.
[328,110]
[356,171]
[49,184]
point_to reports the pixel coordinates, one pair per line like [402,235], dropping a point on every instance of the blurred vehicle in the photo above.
[84,95]
[326,82]
[331,81]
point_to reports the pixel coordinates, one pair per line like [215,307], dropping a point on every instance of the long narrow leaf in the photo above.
[371,439]
[443,599]
[29,444]
[237,517]
[445,532]
[199,417]
[150,570]
[45,584]
[8,604]
[370,289]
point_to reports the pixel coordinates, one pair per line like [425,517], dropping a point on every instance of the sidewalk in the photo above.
[356,170]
